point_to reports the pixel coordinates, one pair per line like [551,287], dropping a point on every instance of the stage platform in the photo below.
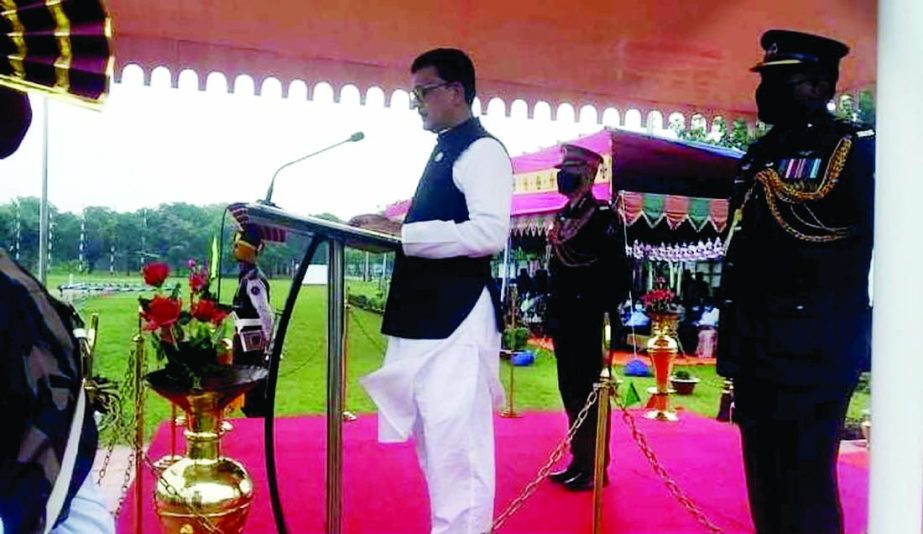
[385,493]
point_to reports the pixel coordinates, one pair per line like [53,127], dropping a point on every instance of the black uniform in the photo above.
[251,341]
[590,276]
[795,315]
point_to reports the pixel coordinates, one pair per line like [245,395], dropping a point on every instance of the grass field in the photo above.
[301,388]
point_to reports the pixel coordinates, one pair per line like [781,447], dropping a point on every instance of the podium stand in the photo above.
[274,221]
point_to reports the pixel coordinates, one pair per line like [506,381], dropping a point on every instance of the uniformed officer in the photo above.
[253,314]
[795,315]
[589,277]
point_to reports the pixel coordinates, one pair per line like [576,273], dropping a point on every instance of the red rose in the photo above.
[208,311]
[198,281]
[155,273]
[160,312]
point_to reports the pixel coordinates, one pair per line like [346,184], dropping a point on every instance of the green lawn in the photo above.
[302,389]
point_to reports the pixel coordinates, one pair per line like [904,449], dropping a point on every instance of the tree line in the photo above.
[102,240]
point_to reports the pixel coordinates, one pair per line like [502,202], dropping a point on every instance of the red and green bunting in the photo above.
[676,209]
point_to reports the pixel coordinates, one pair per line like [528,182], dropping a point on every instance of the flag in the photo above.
[214,264]
[631,396]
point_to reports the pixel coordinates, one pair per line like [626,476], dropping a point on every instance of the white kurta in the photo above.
[442,391]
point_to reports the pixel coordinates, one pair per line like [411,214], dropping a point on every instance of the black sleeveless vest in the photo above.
[429,298]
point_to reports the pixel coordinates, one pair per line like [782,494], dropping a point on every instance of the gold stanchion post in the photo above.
[139,430]
[510,410]
[599,467]
[348,416]
[727,397]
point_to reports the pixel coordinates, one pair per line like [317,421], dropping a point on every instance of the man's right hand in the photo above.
[376,223]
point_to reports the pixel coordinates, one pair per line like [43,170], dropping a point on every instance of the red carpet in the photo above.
[385,493]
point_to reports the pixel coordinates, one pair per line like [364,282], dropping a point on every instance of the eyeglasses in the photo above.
[417,94]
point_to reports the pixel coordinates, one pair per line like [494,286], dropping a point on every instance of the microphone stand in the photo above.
[358,136]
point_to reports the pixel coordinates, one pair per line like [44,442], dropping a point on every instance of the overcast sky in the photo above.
[156,144]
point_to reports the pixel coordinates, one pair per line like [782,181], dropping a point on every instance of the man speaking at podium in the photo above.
[439,382]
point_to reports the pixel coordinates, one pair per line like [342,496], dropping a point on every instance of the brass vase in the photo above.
[662,349]
[204,491]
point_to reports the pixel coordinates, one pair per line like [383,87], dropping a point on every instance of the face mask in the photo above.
[568,181]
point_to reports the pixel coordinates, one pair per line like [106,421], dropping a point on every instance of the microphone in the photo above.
[358,136]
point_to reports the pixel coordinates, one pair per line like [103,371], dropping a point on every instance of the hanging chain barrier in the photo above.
[639,439]
[121,428]
[658,468]
[556,454]
[375,342]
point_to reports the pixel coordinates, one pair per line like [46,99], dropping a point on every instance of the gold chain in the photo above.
[835,235]
[671,484]
[350,313]
[791,193]
[776,189]
[121,430]
[556,455]
[138,406]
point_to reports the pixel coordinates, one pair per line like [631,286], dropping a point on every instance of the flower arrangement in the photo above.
[192,341]
[660,300]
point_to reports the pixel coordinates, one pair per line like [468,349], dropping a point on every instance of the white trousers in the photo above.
[87,514]
[442,393]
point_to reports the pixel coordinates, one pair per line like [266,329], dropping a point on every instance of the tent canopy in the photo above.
[680,185]
[669,55]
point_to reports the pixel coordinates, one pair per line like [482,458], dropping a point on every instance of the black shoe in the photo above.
[562,476]
[583,482]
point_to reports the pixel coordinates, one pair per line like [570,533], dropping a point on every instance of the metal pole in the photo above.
[336,345]
[139,431]
[384,271]
[83,233]
[348,416]
[506,269]
[896,476]
[510,410]
[599,467]
[50,259]
[43,214]
[18,230]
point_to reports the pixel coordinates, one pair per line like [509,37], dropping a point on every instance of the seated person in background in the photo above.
[709,317]
[708,333]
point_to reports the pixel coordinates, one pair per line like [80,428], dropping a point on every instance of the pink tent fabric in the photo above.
[545,202]
[537,203]
[600,142]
